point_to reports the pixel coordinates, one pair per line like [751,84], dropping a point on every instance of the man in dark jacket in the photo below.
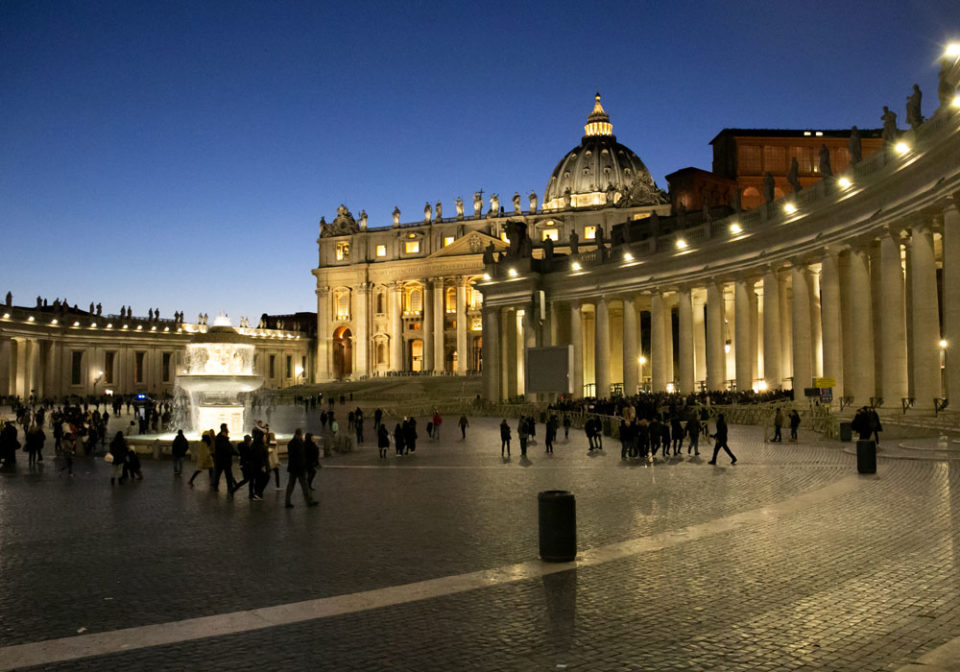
[297,468]
[721,441]
[179,450]
[223,460]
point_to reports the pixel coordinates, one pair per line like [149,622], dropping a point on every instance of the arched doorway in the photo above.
[342,353]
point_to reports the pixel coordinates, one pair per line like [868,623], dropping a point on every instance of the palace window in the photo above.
[589,233]
[411,246]
[76,368]
[343,250]
[381,302]
[381,353]
[109,357]
[552,234]
[273,365]
[775,159]
[413,302]
[341,304]
[750,160]
[165,368]
[381,250]
[451,300]
[289,367]
[138,366]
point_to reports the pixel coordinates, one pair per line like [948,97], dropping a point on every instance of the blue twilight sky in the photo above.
[179,154]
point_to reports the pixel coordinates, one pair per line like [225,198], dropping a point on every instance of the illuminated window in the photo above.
[450,300]
[343,250]
[414,301]
[341,301]
[503,237]
[590,232]
[411,246]
[552,234]
[381,250]
[447,240]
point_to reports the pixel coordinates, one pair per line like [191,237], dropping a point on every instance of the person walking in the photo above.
[463,423]
[794,424]
[398,438]
[34,440]
[247,476]
[297,469]
[68,448]
[179,451]
[693,431]
[273,456]
[223,459]
[504,437]
[551,433]
[720,438]
[118,454]
[777,426]
[313,458]
[383,440]
[566,426]
[259,465]
[437,421]
[203,456]
[523,433]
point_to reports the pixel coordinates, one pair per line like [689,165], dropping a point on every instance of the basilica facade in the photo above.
[404,298]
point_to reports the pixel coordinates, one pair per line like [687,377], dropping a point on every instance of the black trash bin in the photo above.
[866,456]
[846,431]
[558,526]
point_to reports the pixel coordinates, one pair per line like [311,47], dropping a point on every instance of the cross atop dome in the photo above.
[598,123]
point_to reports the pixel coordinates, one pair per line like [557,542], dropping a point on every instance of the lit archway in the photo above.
[342,353]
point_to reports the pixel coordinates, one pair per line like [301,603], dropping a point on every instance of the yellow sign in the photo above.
[825,382]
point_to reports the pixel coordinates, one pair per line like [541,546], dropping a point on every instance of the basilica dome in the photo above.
[600,171]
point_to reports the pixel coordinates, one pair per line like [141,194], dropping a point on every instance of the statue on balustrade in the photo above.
[91,308]
[914,115]
[396,216]
[854,146]
[477,204]
[439,210]
[574,243]
[427,213]
[824,162]
[890,132]
[459,205]
[793,175]
[533,201]
[769,187]
[516,203]
[363,220]
[99,310]
[494,205]
[9,299]
[548,248]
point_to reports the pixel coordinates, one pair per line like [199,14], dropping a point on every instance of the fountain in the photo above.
[219,367]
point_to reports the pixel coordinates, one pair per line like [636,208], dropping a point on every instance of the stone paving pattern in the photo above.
[865,581]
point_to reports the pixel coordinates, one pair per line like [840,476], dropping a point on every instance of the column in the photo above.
[529,333]
[427,326]
[742,338]
[362,346]
[715,355]
[699,339]
[601,348]
[554,327]
[323,339]
[658,354]
[462,285]
[859,377]
[772,371]
[7,372]
[576,340]
[926,317]
[786,327]
[893,336]
[491,353]
[506,356]
[687,379]
[396,327]
[439,326]
[830,318]
[802,359]
[951,298]
[631,349]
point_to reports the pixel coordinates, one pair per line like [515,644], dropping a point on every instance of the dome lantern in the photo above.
[598,123]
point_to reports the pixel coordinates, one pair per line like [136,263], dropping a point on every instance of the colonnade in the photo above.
[867,314]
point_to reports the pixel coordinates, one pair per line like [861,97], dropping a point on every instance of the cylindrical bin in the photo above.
[866,456]
[558,526]
[846,431]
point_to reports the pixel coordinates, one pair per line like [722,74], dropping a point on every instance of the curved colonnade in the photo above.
[856,279]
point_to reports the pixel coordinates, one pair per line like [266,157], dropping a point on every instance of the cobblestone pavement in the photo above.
[868,579]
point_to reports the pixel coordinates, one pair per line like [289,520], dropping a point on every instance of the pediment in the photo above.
[474,242]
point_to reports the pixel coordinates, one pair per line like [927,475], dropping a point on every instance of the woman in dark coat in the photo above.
[383,439]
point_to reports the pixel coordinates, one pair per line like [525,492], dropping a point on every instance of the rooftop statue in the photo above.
[477,204]
[533,201]
[769,187]
[914,116]
[396,216]
[459,205]
[824,165]
[574,243]
[890,132]
[427,213]
[516,203]
[494,205]
[792,175]
[548,248]
[854,147]
[439,210]
[343,224]
[567,198]
[363,220]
